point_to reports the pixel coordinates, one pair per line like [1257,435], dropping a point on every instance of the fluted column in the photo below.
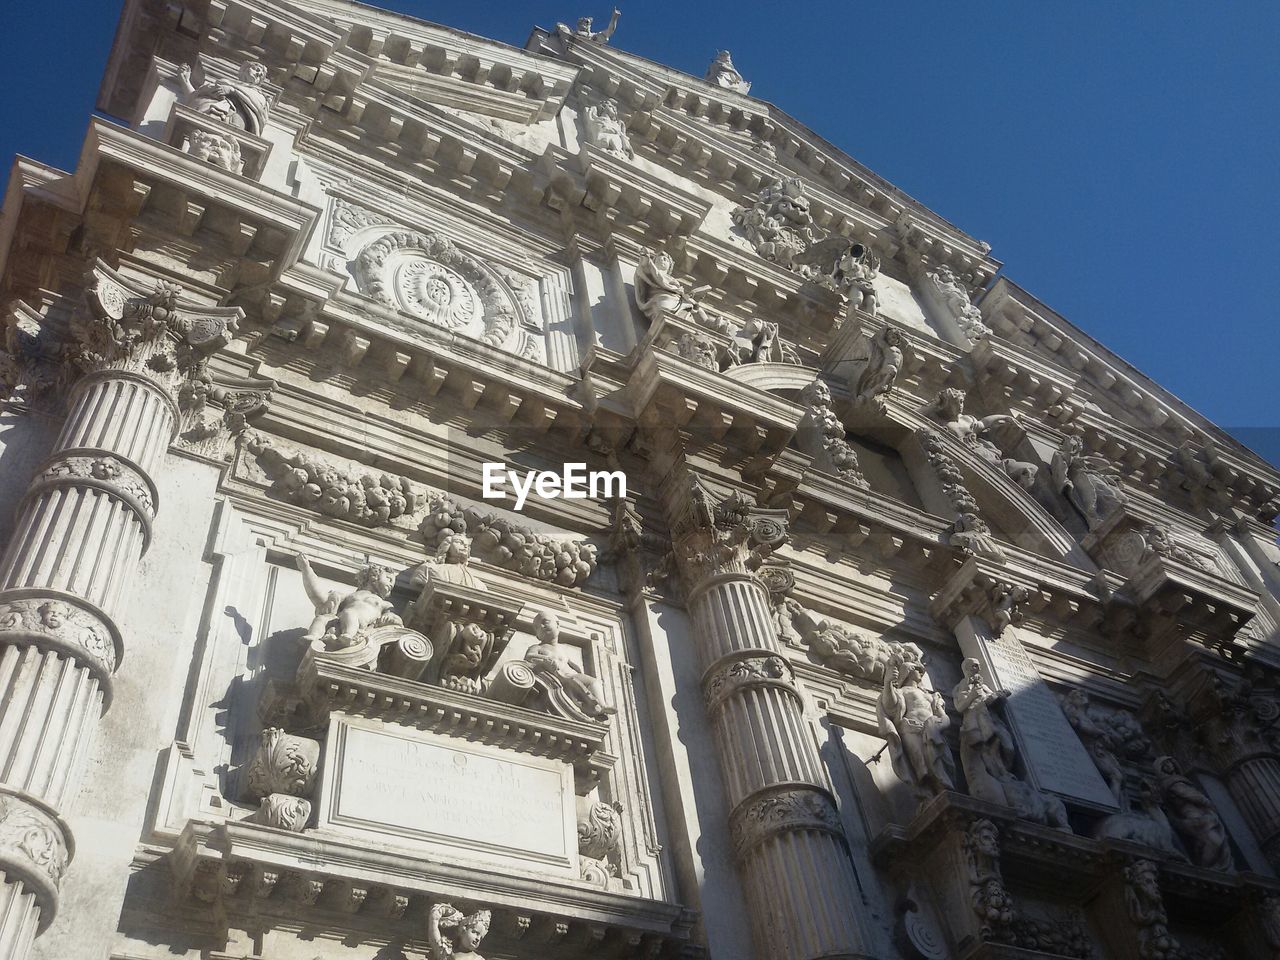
[788,841]
[81,530]
[1234,727]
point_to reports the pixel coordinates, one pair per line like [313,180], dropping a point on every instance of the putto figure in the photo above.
[341,619]
[241,103]
[882,368]
[547,657]
[464,932]
[912,720]
[583,30]
[1091,484]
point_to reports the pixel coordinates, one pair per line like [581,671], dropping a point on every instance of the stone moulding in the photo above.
[744,669]
[111,473]
[36,847]
[332,687]
[800,807]
[213,863]
[55,620]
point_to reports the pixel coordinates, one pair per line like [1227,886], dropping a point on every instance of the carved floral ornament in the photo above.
[35,846]
[65,623]
[427,276]
[782,811]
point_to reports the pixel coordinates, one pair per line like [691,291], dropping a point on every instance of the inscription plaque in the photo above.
[408,788]
[1052,753]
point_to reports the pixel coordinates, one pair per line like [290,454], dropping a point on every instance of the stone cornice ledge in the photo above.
[330,686]
[213,862]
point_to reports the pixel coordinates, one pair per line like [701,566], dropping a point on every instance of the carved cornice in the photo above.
[215,866]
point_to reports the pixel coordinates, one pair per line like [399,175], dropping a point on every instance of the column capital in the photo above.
[784,808]
[716,535]
[61,622]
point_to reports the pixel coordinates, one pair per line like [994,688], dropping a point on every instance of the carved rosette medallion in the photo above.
[35,847]
[424,274]
[782,811]
[62,622]
[729,676]
[436,294]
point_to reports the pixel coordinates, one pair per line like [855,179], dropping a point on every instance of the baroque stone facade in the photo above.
[925,627]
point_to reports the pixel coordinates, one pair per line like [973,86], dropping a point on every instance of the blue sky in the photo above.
[1123,159]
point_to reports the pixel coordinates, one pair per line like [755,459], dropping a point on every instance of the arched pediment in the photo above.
[1002,502]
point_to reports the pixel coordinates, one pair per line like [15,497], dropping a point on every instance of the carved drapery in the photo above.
[787,836]
[81,528]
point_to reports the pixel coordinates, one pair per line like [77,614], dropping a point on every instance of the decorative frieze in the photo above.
[510,545]
[782,811]
[62,622]
[311,481]
[35,847]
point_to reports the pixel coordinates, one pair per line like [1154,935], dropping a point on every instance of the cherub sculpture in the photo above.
[464,932]
[547,657]
[341,618]
[449,565]
[883,367]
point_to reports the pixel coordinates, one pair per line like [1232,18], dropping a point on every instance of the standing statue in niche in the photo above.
[341,619]
[912,721]
[548,658]
[988,753]
[606,130]
[583,30]
[1193,817]
[1090,483]
[658,292]
[241,103]
[723,73]
[464,932]
[971,431]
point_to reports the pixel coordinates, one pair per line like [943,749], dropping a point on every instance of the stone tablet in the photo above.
[1052,753]
[463,801]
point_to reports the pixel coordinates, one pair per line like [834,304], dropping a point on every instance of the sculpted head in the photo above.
[984,838]
[377,579]
[546,627]
[53,613]
[471,930]
[584,24]
[1072,446]
[951,403]
[659,261]
[816,394]
[253,72]
[972,669]
[454,548]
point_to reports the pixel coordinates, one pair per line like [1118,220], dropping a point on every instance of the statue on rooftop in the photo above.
[583,30]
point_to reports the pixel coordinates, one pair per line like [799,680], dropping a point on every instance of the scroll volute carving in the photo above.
[282,776]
